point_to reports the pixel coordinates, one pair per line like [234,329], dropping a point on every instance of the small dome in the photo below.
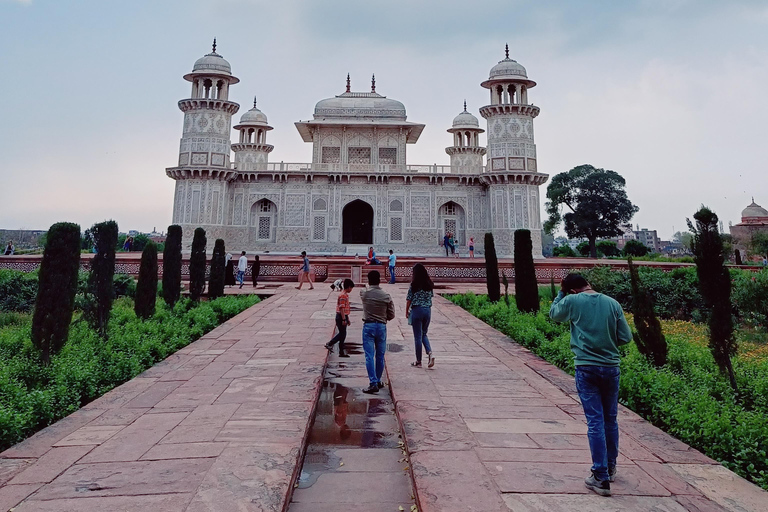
[212,63]
[507,68]
[253,116]
[753,211]
[465,120]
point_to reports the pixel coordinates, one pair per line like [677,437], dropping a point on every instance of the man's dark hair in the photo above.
[390,251]
[574,282]
[374,278]
[348,283]
[303,253]
[242,253]
[421,280]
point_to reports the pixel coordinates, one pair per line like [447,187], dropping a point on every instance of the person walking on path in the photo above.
[342,319]
[378,308]
[9,249]
[304,273]
[471,247]
[598,328]
[229,272]
[242,266]
[392,263]
[418,309]
[255,269]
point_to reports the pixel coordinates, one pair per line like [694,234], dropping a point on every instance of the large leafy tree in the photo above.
[759,244]
[598,204]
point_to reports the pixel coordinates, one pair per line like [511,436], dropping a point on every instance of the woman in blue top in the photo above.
[418,307]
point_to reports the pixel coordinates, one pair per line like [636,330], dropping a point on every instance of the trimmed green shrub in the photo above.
[715,287]
[607,248]
[56,290]
[146,290]
[526,287]
[564,251]
[218,267]
[103,272]
[17,290]
[492,268]
[197,265]
[750,296]
[172,266]
[635,248]
[649,339]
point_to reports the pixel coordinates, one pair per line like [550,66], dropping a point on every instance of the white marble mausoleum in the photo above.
[359,189]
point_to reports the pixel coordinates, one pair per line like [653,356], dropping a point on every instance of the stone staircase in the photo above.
[356,270]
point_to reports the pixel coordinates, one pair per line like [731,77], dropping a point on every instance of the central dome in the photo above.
[359,105]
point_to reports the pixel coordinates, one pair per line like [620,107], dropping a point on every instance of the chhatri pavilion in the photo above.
[359,189]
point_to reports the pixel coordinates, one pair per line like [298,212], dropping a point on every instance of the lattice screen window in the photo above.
[359,155]
[449,209]
[265,228]
[331,155]
[396,229]
[318,228]
[387,155]
[450,226]
[396,206]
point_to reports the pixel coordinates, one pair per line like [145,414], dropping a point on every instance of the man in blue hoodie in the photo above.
[598,328]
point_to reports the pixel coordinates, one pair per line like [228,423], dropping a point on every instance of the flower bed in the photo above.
[688,398]
[32,396]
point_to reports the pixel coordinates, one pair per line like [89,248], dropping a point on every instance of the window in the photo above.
[265,228]
[449,209]
[331,155]
[396,229]
[320,205]
[265,206]
[318,228]
[387,155]
[396,206]
[359,155]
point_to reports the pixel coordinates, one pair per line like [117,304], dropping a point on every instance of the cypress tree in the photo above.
[218,267]
[146,289]
[715,288]
[649,338]
[103,272]
[526,287]
[197,264]
[737,254]
[172,266]
[492,269]
[57,285]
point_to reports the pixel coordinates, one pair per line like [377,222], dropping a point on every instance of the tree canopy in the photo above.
[598,204]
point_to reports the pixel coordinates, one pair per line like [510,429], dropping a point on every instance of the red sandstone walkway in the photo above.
[221,426]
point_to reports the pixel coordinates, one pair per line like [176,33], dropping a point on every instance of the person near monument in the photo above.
[304,273]
[372,260]
[255,270]
[392,263]
[342,319]
[598,328]
[418,309]
[9,249]
[471,247]
[448,244]
[242,266]
[378,308]
[229,272]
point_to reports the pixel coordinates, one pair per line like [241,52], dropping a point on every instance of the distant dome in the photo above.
[753,211]
[465,120]
[364,105]
[253,116]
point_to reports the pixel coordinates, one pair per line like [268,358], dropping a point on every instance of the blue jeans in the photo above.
[598,388]
[374,346]
[391,275]
[420,317]
[240,275]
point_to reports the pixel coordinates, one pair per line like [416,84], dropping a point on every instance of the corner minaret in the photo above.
[208,113]
[510,118]
[466,152]
[252,152]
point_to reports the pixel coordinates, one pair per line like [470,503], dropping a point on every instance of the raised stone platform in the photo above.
[223,424]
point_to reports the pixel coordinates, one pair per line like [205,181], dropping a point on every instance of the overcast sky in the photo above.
[671,94]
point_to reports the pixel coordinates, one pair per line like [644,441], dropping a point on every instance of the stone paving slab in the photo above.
[219,425]
[493,427]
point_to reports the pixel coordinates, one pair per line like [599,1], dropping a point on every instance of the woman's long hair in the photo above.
[421,280]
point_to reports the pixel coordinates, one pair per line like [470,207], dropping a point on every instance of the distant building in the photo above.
[754,219]
[21,238]
[649,238]
[625,237]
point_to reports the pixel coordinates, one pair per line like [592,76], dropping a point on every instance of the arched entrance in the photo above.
[451,219]
[357,223]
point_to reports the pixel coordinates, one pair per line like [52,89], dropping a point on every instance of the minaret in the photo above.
[204,164]
[511,160]
[252,152]
[466,152]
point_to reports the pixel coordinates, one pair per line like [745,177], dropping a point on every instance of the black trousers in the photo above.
[341,325]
